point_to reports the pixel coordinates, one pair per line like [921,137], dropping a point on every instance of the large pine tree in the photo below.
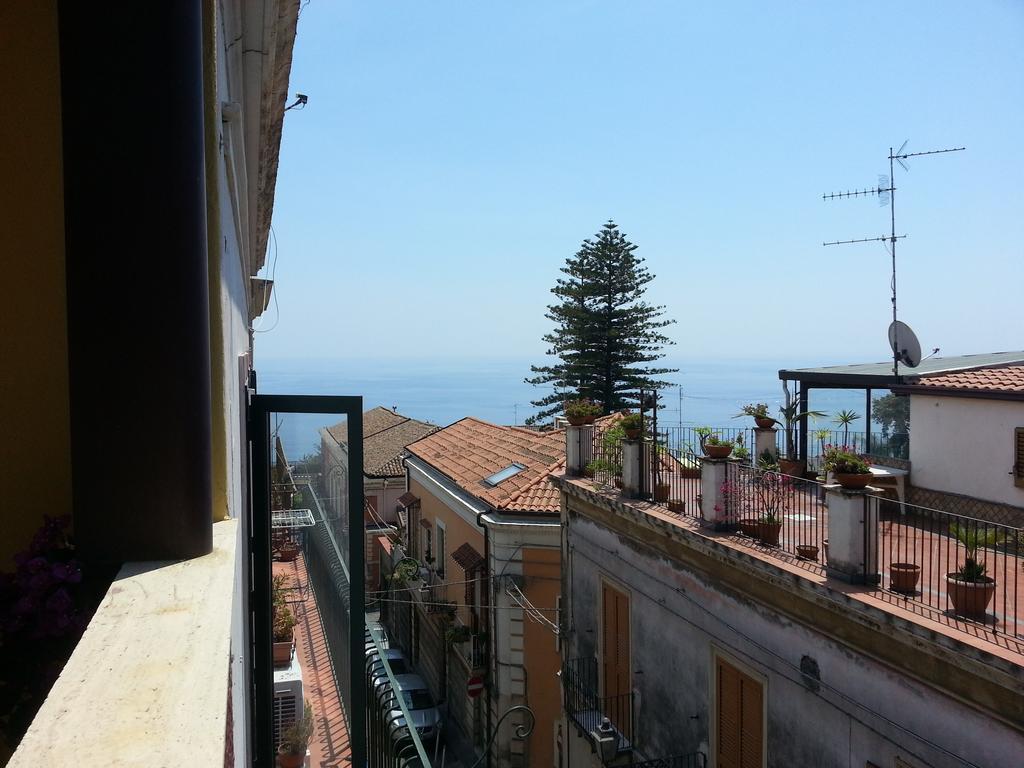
[605,333]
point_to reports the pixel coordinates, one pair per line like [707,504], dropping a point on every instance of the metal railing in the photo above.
[605,457]
[390,744]
[691,760]
[673,476]
[588,710]
[776,510]
[966,568]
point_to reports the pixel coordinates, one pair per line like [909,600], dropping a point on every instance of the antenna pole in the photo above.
[892,244]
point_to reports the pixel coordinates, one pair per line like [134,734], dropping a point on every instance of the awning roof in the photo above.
[407,499]
[879,375]
[467,558]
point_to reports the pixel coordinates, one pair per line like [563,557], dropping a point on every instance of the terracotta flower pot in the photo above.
[764,422]
[748,527]
[851,480]
[576,421]
[632,434]
[903,577]
[807,551]
[768,533]
[675,505]
[589,419]
[288,760]
[792,467]
[717,451]
[282,652]
[970,598]
[661,493]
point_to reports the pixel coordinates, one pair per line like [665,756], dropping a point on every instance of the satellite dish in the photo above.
[904,344]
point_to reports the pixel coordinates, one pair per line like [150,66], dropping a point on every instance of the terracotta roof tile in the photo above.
[385,435]
[470,450]
[1006,379]
[467,558]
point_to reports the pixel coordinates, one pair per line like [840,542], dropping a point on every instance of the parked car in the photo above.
[426,717]
[396,661]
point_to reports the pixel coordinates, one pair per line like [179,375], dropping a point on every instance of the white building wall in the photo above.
[965,446]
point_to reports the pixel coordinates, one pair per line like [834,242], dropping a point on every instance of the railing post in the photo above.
[764,440]
[579,449]
[852,534]
[632,479]
[713,475]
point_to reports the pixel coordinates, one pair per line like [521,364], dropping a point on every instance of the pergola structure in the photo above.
[872,376]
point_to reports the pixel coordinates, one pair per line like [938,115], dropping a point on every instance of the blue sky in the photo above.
[452,156]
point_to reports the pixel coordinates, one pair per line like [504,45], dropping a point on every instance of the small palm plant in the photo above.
[973,538]
[844,419]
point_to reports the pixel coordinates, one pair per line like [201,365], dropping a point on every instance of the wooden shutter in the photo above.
[1018,457]
[615,611]
[740,718]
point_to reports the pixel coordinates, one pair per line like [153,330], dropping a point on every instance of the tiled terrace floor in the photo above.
[902,538]
[329,747]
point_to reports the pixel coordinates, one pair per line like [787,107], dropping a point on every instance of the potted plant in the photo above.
[969,589]
[458,633]
[807,551]
[284,635]
[849,470]
[291,752]
[581,411]
[760,413]
[903,577]
[661,491]
[632,424]
[844,419]
[716,447]
[676,505]
[791,418]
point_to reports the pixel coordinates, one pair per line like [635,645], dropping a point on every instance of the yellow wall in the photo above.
[35,444]
[542,585]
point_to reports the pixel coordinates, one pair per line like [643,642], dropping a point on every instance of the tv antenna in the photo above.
[885,191]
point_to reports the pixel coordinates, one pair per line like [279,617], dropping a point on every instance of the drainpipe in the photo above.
[491,629]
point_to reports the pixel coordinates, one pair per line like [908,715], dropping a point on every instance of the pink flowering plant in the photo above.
[42,616]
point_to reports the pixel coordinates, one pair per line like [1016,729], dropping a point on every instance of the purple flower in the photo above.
[60,601]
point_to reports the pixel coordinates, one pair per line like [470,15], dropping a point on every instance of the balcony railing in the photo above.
[588,709]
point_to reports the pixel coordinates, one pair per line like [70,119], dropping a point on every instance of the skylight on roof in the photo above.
[500,476]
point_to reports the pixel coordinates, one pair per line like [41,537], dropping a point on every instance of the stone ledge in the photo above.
[148,682]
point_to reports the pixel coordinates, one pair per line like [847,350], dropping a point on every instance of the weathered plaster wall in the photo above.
[965,446]
[863,710]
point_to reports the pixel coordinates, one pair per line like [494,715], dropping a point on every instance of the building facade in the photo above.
[697,647]
[482,525]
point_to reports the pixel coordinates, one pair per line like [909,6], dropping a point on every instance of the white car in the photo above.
[426,718]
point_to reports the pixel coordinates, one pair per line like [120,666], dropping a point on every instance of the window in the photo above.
[739,717]
[440,549]
[428,552]
[1018,457]
[510,471]
[615,659]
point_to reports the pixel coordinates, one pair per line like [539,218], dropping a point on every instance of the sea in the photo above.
[704,392]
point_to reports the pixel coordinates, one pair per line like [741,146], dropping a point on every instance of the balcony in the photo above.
[588,710]
[910,553]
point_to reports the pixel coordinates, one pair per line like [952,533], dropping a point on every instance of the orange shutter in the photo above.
[615,618]
[740,721]
[1018,457]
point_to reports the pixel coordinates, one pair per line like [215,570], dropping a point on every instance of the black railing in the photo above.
[674,476]
[588,709]
[691,760]
[604,461]
[391,741]
[776,510]
[969,569]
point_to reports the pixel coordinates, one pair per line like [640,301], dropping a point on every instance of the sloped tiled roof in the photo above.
[470,450]
[385,435]
[1004,380]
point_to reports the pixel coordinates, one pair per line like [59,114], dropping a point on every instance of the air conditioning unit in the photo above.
[288,701]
